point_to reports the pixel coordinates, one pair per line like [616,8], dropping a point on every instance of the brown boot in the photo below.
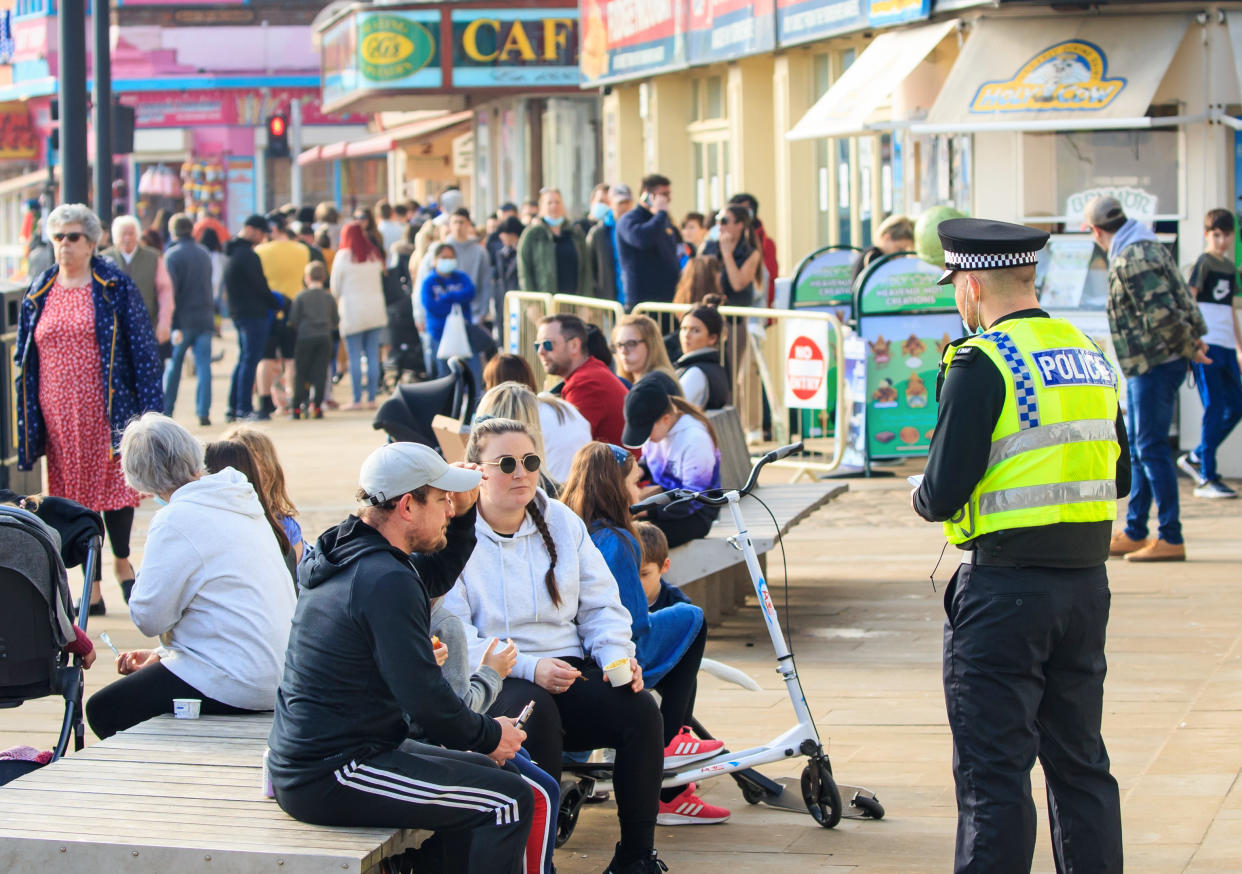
[1159,550]
[1123,545]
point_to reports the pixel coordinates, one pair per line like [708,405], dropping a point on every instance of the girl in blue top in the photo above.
[443,287]
[669,644]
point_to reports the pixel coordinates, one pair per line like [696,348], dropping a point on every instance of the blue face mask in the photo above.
[445,266]
[599,211]
[160,501]
[553,222]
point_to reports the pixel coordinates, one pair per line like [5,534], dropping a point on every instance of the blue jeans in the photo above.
[201,344]
[251,337]
[1220,389]
[1149,416]
[364,342]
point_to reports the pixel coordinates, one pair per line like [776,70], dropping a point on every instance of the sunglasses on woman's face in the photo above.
[72,236]
[508,464]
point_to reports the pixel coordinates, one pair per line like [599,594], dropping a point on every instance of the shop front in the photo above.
[513,72]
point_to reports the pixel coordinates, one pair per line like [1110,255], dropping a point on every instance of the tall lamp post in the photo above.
[103,111]
[74,185]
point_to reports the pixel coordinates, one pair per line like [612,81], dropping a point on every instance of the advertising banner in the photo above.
[505,48]
[886,13]
[806,364]
[628,39]
[722,30]
[381,51]
[799,21]
[906,321]
[228,107]
[824,283]
[17,134]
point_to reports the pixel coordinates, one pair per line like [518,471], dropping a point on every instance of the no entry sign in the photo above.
[806,364]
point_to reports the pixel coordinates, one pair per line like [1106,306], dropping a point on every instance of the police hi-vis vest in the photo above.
[1054,448]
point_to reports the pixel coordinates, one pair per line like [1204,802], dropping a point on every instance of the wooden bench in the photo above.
[711,571]
[175,795]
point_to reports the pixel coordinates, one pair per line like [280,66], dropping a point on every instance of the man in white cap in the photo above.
[360,667]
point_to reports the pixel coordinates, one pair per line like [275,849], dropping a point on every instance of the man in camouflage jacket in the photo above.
[1156,327]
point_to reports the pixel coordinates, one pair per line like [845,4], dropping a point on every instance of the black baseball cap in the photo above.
[508,206]
[646,402]
[256,221]
[511,225]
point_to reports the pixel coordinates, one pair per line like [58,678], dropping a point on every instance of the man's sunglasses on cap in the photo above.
[508,464]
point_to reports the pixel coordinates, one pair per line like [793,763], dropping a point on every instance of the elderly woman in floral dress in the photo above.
[87,363]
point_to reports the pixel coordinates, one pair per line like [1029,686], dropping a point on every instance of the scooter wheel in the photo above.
[751,794]
[869,806]
[819,791]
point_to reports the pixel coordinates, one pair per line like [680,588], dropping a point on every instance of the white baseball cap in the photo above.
[397,468]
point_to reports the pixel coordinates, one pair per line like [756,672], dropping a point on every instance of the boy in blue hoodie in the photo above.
[444,287]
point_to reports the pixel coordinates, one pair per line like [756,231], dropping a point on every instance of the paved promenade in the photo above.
[867,633]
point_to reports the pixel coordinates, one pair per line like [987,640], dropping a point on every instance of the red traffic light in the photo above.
[276,125]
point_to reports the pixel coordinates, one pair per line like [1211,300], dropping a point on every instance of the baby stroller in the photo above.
[407,415]
[405,355]
[37,621]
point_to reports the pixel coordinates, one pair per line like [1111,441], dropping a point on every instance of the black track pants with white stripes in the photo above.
[485,809]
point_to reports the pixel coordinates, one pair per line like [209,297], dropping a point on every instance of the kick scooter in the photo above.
[817,792]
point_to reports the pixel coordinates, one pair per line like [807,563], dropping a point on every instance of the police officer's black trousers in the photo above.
[1024,677]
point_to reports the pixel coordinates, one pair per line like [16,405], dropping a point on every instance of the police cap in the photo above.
[980,244]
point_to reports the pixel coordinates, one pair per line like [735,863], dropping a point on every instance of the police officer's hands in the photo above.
[511,738]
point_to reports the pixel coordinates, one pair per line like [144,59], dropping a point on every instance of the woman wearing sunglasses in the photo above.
[89,363]
[536,578]
[739,253]
[601,487]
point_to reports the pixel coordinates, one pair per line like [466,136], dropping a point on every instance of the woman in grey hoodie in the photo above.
[535,577]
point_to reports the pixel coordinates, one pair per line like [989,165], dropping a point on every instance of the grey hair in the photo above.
[181,225]
[121,222]
[515,402]
[75,214]
[158,455]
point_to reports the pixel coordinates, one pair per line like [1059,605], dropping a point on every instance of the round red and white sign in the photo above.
[805,368]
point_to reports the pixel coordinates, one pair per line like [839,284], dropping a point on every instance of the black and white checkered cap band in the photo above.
[973,261]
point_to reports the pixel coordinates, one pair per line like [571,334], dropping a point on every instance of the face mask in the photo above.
[714,233]
[160,501]
[978,318]
[553,222]
[445,266]
[599,211]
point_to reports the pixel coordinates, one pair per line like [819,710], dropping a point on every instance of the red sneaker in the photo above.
[686,748]
[688,809]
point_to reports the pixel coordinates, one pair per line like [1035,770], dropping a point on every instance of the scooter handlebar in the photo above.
[661,499]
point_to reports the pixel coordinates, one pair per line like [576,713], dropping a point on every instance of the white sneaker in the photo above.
[1190,466]
[1214,489]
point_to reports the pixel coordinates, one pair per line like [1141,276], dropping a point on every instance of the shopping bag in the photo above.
[454,342]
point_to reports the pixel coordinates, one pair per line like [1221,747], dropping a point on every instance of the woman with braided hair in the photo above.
[536,578]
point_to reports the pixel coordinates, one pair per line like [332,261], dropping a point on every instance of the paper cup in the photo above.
[186,708]
[620,673]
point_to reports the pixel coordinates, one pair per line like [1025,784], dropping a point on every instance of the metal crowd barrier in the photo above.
[753,352]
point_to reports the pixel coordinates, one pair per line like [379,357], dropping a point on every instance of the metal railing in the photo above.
[756,369]
[752,351]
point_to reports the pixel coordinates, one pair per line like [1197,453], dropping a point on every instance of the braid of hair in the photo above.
[549,579]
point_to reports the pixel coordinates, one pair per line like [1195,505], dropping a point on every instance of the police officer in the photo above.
[1027,460]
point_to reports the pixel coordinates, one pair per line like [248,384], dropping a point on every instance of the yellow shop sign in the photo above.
[1071,75]
[392,47]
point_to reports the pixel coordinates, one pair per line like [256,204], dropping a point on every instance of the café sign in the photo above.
[1071,75]
[448,48]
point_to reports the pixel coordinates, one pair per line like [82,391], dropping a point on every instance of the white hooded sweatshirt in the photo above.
[214,585]
[501,593]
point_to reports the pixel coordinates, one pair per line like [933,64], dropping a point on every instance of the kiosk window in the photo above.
[1062,171]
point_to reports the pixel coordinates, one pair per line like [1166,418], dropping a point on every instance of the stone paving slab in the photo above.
[867,631]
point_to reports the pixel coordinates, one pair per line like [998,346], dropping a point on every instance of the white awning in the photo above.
[1064,73]
[849,106]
